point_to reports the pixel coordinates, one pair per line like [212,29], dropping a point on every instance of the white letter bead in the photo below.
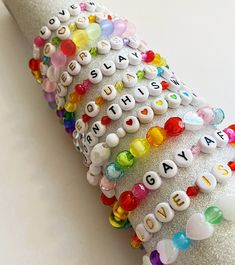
[63,15]
[121,133]
[60,101]
[159,106]
[186,97]
[104,47]
[206,182]
[114,112]
[221,138]
[179,200]
[84,57]
[95,76]
[141,94]
[131,124]
[151,224]
[53,23]
[207,144]
[164,212]
[135,58]
[150,72]
[142,233]
[100,154]
[82,22]
[66,79]
[108,68]
[173,100]
[222,172]
[74,68]
[130,80]
[174,84]
[74,9]
[152,181]
[45,33]
[155,88]
[127,102]
[116,43]
[92,109]
[145,114]
[167,73]
[121,62]
[184,158]
[98,129]
[93,179]
[108,92]
[49,49]
[168,169]
[63,32]
[133,42]
[112,140]
[91,139]
[90,6]
[81,126]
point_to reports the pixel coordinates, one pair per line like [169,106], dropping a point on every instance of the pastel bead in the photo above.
[226,205]
[155,88]
[156,136]
[63,32]
[221,138]
[192,121]
[107,27]
[139,147]
[152,181]
[219,116]
[129,79]
[108,92]
[141,94]
[181,241]
[186,97]
[206,182]
[84,57]
[92,109]
[133,42]
[114,172]
[103,47]
[207,114]
[207,144]
[90,6]
[168,251]
[151,224]
[58,59]
[119,27]
[108,68]
[168,169]
[173,100]
[116,43]
[48,86]
[114,112]
[183,158]
[121,61]
[127,102]
[98,129]
[142,233]
[131,124]
[145,114]
[159,106]
[53,73]
[222,172]
[100,154]
[125,159]
[95,76]
[112,140]
[93,31]
[213,215]
[80,38]
[179,200]
[164,213]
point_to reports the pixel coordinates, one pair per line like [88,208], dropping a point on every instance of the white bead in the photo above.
[129,79]
[198,228]
[91,140]
[168,252]
[92,179]
[127,102]
[131,124]
[49,49]
[103,47]
[92,109]
[84,57]
[116,43]
[174,84]
[121,133]
[66,79]
[112,140]
[167,73]
[108,92]
[82,22]
[173,100]
[206,182]
[141,94]
[183,158]
[90,6]
[152,181]
[150,72]
[186,97]
[108,68]
[74,10]
[86,149]
[133,42]
[100,154]
[135,58]
[60,101]
[155,88]
[168,169]
[86,160]
[142,233]
[74,68]
[98,129]
[207,144]
[114,112]
[45,33]
[95,76]
[192,121]
[122,62]
[164,212]
[226,205]
[63,32]
[198,101]
[94,170]
[159,106]
[151,224]
[53,73]
[43,68]
[146,260]
[53,23]
[179,200]
[145,114]
[63,15]
[222,172]
[81,126]
[221,138]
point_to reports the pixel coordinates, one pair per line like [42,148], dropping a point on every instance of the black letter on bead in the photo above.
[220,134]
[121,58]
[95,128]
[208,140]
[183,155]
[155,85]
[94,74]
[62,12]
[106,66]
[166,167]
[135,54]
[112,109]
[126,100]
[150,180]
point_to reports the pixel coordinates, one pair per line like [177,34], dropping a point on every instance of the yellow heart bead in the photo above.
[80,38]
[156,136]
[139,147]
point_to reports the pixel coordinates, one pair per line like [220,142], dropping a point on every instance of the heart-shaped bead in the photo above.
[167,251]
[129,122]
[226,204]
[198,228]
[192,121]
[144,112]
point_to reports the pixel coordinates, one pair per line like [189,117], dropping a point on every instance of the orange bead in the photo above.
[157,59]
[99,101]
[74,98]
[156,136]
[92,19]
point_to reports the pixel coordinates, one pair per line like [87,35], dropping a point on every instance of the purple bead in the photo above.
[60,113]
[70,130]
[126,41]
[155,258]
[49,97]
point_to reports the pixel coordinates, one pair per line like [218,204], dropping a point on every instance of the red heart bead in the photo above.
[129,122]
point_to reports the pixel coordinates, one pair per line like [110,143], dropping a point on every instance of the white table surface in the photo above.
[49,215]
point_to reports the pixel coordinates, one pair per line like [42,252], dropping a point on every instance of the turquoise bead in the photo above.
[181,241]
[46,60]
[114,172]
[159,71]
[219,116]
